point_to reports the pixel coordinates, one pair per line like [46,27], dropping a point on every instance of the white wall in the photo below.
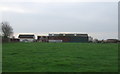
[26,40]
[55,41]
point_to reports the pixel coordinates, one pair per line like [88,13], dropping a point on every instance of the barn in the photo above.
[26,37]
[69,37]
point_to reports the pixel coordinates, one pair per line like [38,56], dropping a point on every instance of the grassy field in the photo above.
[60,57]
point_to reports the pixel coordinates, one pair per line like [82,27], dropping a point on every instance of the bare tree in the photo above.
[7,30]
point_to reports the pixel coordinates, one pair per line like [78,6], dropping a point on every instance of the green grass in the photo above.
[60,57]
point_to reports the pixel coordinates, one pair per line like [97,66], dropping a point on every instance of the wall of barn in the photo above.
[69,38]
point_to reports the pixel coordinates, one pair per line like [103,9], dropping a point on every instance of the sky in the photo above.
[98,18]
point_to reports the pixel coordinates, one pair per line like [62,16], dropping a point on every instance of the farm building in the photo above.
[42,38]
[26,37]
[69,37]
[111,41]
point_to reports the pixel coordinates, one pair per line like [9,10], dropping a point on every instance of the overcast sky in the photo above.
[97,18]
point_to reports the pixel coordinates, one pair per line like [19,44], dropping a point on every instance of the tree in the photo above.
[7,30]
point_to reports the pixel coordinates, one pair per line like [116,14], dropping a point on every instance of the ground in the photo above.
[60,57]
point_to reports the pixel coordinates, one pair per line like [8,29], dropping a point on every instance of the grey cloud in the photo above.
[64,17]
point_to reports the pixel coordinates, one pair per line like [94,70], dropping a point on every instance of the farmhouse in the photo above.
[26,37]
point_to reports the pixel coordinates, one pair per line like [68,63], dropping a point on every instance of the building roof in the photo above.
[82,35]
[26,36]
[111,39]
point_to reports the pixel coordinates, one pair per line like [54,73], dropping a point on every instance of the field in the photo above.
[60,57]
